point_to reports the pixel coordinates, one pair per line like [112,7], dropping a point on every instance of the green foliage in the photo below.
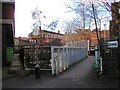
[96,65]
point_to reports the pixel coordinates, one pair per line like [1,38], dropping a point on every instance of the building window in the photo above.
[119,10]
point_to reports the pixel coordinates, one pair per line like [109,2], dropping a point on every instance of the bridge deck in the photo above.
[79,75]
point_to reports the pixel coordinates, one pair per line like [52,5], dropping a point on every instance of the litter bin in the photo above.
[9,55]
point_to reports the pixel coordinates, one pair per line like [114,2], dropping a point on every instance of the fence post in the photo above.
[97,53]
[37,67]
[58,61]
[63,59]
[52,60]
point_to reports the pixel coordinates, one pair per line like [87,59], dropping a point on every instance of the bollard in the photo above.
[37,71]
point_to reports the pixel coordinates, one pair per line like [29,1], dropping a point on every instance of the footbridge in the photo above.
[54,58]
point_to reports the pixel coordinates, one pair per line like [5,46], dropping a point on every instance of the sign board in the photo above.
[112,44]
[35,32]
[36,36]
[92,48]
[117,21]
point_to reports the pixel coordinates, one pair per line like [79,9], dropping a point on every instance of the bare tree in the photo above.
[89,12]
[69,28]
[71,25]
[37,15]
[107,4]
[113,7]
[80,9]
[53,24]
[80,21]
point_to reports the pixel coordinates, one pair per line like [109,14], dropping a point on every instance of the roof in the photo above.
[51,32]
[22,38]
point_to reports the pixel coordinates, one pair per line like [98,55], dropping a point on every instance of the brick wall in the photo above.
[7,11]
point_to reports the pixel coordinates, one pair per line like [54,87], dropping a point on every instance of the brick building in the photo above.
[88,35]
[114,26]
[7,23]
[104,35]
[21,41]
[48,38]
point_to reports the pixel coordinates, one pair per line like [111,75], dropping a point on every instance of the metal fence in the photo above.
[16,61]
[111,61]
[63,57]
[30,55]
[43,54]
[82,44]
[55,58]
[111,58]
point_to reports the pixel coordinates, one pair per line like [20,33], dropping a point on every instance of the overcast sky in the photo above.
[50,8]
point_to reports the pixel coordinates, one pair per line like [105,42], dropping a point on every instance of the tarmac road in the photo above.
[79,75]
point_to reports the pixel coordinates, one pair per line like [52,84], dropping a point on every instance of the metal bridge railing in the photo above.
[43,54]
[54,58]
[63,57]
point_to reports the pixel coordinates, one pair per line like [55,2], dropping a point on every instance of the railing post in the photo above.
[63,59]
[37,67]
[52,60]
[67,58]
[97,53]
[58,61]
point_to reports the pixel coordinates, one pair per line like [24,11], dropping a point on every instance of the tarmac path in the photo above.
[79,75]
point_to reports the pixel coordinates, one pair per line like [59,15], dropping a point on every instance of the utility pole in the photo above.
[104,32]
[36,14]
[37,67]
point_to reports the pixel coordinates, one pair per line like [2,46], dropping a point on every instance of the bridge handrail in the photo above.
[62,57]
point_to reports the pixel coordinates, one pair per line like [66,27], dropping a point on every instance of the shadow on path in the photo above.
[79,75]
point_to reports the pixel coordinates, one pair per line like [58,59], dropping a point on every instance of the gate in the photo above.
[31,53]
[111,56]
[43,54]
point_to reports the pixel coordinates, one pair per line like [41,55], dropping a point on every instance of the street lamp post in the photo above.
[37,67]
[104,33]
[36,15]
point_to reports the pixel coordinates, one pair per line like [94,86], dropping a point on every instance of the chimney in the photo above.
[58,31]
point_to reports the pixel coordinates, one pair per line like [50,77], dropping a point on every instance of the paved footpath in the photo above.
[79,75]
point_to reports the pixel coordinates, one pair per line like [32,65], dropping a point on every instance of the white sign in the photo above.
[112,44]
[36,31]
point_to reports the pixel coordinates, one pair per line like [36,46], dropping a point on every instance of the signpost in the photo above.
[112,44]
[37,34]
[117,21]
[37,67]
